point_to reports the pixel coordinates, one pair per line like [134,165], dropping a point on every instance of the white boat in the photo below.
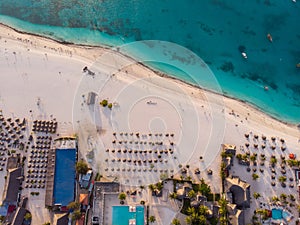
[244,55]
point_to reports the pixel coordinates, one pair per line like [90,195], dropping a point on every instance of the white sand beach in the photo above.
[42,79]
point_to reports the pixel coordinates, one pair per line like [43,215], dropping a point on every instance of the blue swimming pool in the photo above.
[121,215]
[277,214]
[64,178]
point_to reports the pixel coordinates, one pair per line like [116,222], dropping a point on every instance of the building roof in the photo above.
[237,218]
[19,216]
[228,147]
[91,98]
[61,219]
[12,185]
[240,191]
[84,199]
[12,162]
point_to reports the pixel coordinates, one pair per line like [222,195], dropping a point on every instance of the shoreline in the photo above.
[158,73]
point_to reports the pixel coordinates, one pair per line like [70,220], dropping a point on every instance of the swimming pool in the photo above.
[64,178]
[121,215]
[277,214]
[281,214]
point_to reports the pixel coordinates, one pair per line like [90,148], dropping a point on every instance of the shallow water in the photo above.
[215,30]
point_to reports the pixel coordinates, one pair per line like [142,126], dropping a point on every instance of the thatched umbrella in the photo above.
[273,138]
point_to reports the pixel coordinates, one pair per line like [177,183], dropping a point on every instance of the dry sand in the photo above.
[41,78]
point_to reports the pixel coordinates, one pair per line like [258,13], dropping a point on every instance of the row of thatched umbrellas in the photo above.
[139,170]
[122,134]
[264,138]
[138,161]
[37,161]
[166,151]
[36,176]
[263,146]
[34,186]
[152,143]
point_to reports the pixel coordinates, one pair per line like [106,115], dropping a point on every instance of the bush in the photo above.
[81,167]
[104,102]
[110,105]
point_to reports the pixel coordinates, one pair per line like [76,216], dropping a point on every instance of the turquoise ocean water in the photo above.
[215,30]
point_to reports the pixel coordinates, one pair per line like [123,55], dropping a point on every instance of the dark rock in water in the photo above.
[242,48]
[227,67]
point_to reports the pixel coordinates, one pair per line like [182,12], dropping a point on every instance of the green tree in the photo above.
[47,223]
[173,195]
[110,105]
[176,221]
[203,210]
[122,196]
[283,196]
[204,188]
[152,219]
[274,199]
[255,176]
[253,158]
[282,179]
[104,102]
[273,160]
[73,205]
[76,215]
[222,171]
[194,217]
[27,216]
[152,187]
[159,186]
[256,195]
[239,156]
[81,167]
[223,211]
[191,194]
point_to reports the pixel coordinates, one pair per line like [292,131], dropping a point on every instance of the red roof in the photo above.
[11,208]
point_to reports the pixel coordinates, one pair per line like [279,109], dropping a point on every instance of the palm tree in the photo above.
[173,195]
[223,211]
[256,195]
[27,216]
[76,215]
[122,196]
[191,194]
[273,160]
[176,221]
[159,186]
[203,210]
[151,187]
[283,196]
[255,176]
[152,219]
[73,205]
[253,158]
[282,179]
[194,217]
[81,167]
